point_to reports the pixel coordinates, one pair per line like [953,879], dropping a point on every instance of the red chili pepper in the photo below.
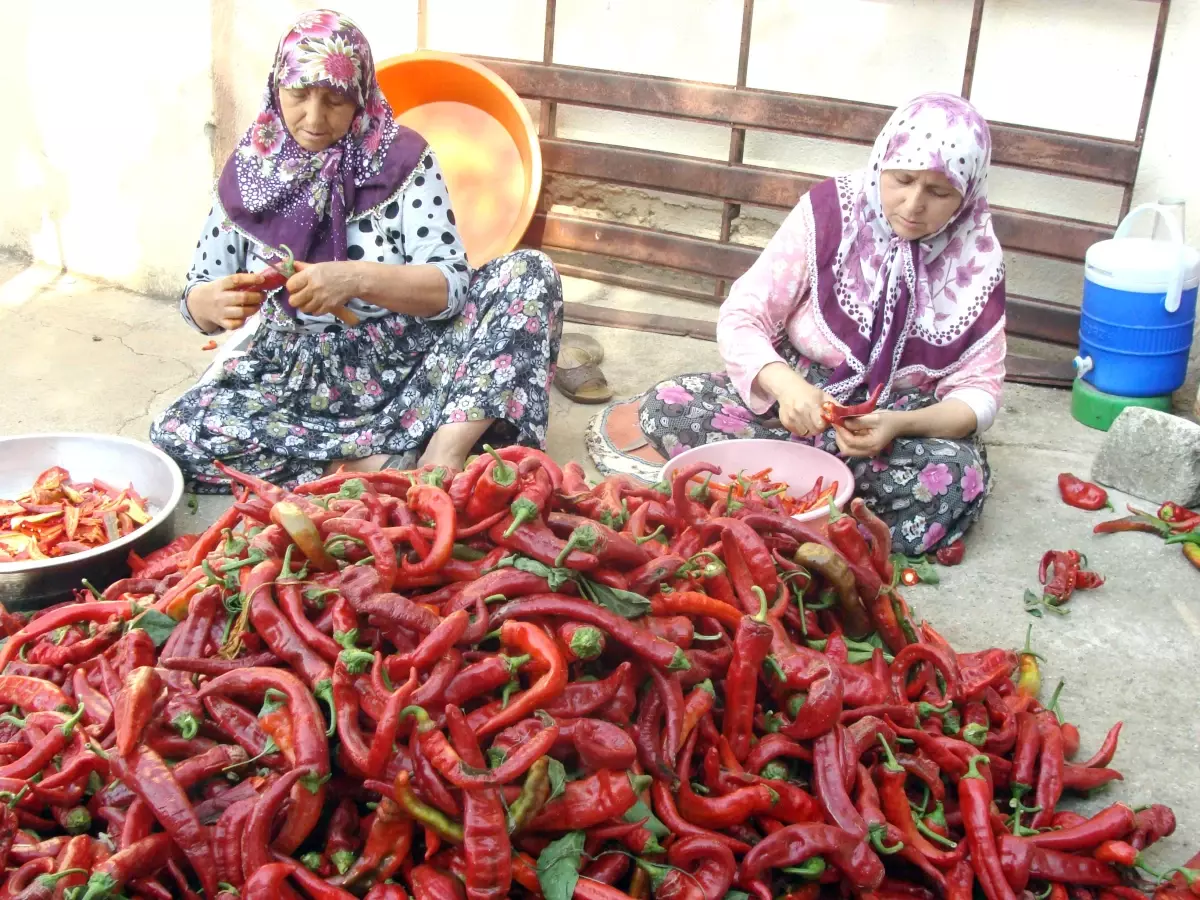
[1077,778]
[380,548]
[546,658]
[751,644]
[829,783]
[278,633]
[130,863]
[609,546]
[796,844]
[144,772]
[646,645]
[1151,825]
[484,676]
[836,413]
[585,698]
[134,707]
[1082,494]
[310,747]
[433,503]
[953,554]
[722,811]
[536,540]
[975,800]
[881,538]
[698,863]
[688,511]
[486,845]
[590,801]
[1068,868]
[494,489]
[1063,568]
[1135,522]
[896,807]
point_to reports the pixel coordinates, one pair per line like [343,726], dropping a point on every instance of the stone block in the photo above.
[1152,455]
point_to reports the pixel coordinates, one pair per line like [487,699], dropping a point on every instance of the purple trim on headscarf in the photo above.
[276,192]
[866,275]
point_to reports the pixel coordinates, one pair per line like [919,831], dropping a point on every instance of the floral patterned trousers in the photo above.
[928,490]
[297,400]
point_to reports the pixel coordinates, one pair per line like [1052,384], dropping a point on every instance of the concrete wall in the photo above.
[116,124]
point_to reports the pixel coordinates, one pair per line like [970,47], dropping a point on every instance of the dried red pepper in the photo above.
[1082,494]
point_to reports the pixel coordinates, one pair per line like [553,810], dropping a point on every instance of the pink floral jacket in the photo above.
[772,300]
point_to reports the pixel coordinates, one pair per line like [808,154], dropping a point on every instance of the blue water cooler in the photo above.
[1137,320]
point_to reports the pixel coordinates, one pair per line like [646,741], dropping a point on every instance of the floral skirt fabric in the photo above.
[296,401]
[928,490]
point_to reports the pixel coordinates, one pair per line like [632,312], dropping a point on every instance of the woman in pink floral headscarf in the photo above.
[888,278]
[443,357]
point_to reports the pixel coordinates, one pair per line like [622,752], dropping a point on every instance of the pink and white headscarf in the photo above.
[896,307]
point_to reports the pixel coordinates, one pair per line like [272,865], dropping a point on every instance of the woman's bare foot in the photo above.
[451,444]
[366,464]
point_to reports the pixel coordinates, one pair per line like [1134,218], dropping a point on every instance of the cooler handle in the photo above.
[1174,295]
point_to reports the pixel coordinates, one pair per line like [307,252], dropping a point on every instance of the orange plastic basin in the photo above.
[484,140]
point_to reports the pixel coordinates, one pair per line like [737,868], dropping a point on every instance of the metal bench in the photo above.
[733,183]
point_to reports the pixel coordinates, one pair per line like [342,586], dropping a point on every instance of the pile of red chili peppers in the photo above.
[507,682]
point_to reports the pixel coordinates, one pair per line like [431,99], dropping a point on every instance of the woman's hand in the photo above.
[799,401]
[868,436]
[320,288]
[227,302]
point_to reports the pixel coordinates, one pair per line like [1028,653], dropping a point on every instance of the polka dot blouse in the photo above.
[417,227]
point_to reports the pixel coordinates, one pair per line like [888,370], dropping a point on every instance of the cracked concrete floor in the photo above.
[81,356]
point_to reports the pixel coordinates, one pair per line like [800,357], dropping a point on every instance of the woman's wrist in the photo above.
[197,305]
[949,419]
[776,379]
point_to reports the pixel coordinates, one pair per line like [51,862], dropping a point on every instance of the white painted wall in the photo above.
[116,122]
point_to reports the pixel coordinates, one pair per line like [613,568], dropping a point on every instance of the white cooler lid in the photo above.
[1141,264]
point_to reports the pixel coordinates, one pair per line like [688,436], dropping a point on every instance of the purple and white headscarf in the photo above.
[276,192]
[896,307]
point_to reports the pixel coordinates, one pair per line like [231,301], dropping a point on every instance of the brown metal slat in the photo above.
[972,48]
[641,245]
[1027,316]
[1042,320]
[1050,151]
[737,136]
[739,183]
[1020,369]
[1160,34]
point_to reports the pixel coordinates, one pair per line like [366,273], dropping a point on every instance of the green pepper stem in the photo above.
[649,537]
[975,734]
[582,538]
[323,691]
[973,766]
[933,835]
[502,473]
[761,616]
[890,762]
[523,510]
[878,836]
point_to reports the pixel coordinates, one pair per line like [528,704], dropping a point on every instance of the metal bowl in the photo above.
[117,460]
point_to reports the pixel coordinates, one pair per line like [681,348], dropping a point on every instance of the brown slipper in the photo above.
[583,347]
[582,382]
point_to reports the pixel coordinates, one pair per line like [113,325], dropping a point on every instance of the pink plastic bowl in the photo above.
[799,465]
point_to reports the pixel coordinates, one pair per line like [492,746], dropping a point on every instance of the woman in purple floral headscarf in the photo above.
[443,356]
[888,278]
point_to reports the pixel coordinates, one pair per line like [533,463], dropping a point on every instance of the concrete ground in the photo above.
[85,357]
